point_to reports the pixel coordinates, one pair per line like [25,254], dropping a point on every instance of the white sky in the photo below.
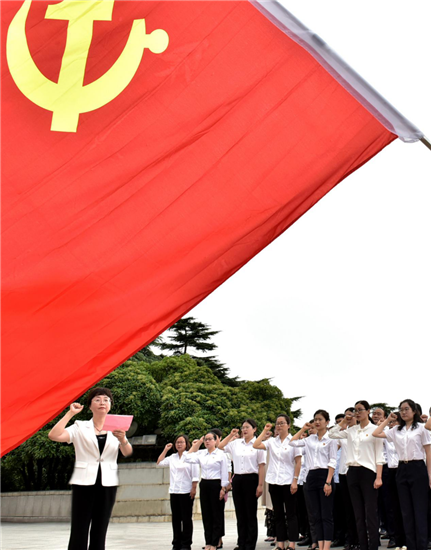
[339,307]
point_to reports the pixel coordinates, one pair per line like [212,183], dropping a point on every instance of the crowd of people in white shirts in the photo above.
[365,478]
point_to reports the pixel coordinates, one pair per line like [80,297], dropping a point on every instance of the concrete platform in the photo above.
[121,536]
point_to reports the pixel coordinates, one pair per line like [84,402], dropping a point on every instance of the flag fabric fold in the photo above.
[112,232]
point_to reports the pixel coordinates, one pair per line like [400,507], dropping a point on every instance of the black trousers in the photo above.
[310,523]
[351,534]
[339,514]
[384,504]
[320,507]
[304,526]
[364,499]
[91,504]
[244,498]
[413,485]
[182,524]
[212,510]
[284,504]
[399,535]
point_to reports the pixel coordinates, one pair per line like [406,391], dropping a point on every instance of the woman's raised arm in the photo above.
[59,432]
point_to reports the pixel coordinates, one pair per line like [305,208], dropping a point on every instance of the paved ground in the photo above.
[121,536]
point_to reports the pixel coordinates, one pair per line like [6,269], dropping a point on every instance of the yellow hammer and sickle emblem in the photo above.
[68,98]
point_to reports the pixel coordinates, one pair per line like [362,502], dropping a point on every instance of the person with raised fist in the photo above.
[184,479]
[364,459]
[282,477]
[213,486]
[321,460]
[247,482]
[95,476]
[413,445]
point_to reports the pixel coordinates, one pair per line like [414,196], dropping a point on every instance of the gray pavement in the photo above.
[121,536]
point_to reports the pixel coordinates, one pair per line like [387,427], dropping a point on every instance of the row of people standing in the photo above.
[360,475]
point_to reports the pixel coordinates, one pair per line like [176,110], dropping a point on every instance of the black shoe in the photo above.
[336,543]
[304,542]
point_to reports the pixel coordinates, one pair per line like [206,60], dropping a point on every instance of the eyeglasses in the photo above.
[280,423]
[405,410]
[209,439]
[360,410]
[99,400]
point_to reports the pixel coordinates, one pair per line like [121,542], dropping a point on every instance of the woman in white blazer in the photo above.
[95,476]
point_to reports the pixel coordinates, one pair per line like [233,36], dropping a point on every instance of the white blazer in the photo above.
[88,458]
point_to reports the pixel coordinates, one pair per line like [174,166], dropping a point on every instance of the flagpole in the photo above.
[426,142]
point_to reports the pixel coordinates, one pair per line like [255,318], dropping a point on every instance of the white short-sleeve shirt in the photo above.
[281,467]
[321,453]
[213,465]
[182,474]
[409,443]
[246,460]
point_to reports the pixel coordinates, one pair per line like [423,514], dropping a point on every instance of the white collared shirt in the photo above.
[281,467]
[391,454]
[182,475]
[321,453]
[409,444]
[362,448]
[303,472]
[343,466]
[213,465]
[246,460]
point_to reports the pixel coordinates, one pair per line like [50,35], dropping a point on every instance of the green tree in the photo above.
[188,334]
[37,464]
[147,353]
[175,394]
[135,392]
[195,400]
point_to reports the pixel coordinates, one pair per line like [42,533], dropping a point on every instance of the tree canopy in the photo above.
[172,395]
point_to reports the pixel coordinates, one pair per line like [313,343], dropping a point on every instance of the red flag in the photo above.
[139,174]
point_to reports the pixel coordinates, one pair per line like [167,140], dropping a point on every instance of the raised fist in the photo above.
[76,408]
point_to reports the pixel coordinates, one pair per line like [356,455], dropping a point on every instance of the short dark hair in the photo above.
[339,416]
[323,413]
[99,391]
[216,432]
[186,439]
[350,409]
[282,415]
